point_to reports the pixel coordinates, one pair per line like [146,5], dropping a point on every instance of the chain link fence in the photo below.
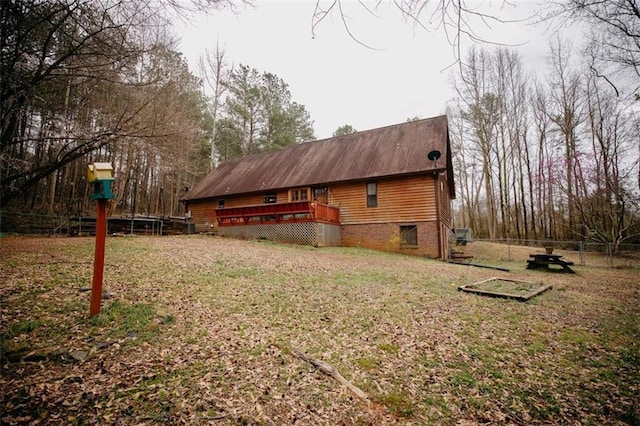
[52,225]
[581,252]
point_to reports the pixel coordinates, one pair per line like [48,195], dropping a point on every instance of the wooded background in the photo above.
[549,155]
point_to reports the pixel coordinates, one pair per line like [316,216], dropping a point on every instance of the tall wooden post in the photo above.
[98,262]
[100,175]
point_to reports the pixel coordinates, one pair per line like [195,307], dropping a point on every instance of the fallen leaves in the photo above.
[200,330]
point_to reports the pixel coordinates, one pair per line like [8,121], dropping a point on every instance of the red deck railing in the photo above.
[299,211]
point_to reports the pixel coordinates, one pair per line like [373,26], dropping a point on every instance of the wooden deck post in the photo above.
[98,262]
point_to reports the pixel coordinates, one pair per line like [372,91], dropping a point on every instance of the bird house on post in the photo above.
[101,176]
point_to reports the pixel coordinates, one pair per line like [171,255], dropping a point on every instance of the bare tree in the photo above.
[458,19]
[614,35]
[543,178]
[215,73]
[511,85]
[50,50]
[466,161]
[71,81]
[607,206]
[482,113]
[566,103]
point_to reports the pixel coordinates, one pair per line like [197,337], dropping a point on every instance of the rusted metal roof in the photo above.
[399,149]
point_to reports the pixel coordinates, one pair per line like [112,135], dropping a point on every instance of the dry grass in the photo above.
[200,330]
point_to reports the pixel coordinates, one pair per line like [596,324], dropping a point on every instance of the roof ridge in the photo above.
[333,138]
[380,128]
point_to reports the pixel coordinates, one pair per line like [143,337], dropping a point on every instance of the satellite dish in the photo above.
[433,155]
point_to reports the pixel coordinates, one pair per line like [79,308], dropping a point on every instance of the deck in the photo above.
[295,212]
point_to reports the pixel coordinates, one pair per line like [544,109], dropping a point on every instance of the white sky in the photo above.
[338,80]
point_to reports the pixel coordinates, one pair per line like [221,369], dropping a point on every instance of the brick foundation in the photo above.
[386,237]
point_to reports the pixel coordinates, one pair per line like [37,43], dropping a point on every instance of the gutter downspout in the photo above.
[436,179]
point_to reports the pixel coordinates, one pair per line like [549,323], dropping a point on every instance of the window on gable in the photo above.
[300,194]
[270,198]
[372,194]
[409,235]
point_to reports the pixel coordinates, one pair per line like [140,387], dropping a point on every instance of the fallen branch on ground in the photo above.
[329,370]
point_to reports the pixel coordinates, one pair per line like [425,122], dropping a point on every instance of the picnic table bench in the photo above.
[544,261]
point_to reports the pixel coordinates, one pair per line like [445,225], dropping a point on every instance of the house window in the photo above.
[409,235]
[372,194]
[221,204]
[320,193]
[270,198]
[301,194]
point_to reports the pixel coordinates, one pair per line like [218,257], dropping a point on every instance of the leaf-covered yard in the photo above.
[202,330]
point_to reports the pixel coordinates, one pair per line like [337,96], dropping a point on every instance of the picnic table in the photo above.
[544,261]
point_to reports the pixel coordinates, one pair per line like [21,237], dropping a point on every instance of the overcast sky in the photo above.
[338,80]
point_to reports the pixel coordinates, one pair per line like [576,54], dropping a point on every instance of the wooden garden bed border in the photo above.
[472,288]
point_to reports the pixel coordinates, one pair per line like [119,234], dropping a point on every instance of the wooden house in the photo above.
[386,189]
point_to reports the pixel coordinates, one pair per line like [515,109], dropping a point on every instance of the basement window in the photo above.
[372,194]
[408,235]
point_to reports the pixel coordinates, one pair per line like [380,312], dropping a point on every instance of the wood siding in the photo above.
[421,200]
[444,202]
[409,199]
[282,196]
[203,214]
